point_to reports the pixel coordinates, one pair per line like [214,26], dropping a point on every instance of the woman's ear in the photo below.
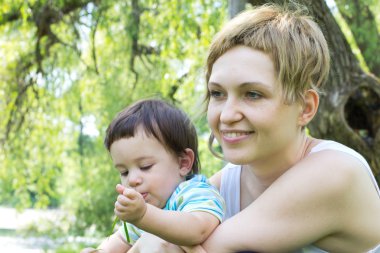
[309,107]
[186,162]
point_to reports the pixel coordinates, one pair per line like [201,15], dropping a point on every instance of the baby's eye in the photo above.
[124,174]
[216,94]
[146,167]
[253,95]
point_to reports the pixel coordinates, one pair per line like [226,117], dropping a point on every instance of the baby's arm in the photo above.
[113,244]
[181,228]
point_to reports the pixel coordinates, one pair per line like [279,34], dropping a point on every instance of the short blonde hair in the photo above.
[291,38]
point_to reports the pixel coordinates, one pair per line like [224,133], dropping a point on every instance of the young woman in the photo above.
[285,191]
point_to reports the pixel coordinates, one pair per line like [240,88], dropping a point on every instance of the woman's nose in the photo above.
[230,112]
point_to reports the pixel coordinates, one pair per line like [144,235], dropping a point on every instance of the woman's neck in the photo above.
[266,171]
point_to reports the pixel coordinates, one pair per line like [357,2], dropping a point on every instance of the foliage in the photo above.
[363,31]
[68,67]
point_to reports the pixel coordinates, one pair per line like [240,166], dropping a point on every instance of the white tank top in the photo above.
[230,185]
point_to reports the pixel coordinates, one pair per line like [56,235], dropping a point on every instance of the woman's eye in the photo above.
[253,95]
[215,94]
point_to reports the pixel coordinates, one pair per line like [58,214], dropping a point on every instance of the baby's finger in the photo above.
[120,209]
[123,200]
[120,188]
[130,193]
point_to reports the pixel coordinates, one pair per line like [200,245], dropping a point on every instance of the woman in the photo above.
[285,191]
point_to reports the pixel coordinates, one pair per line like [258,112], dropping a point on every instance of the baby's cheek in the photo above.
[124,181]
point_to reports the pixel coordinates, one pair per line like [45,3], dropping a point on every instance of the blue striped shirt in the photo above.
[193,195]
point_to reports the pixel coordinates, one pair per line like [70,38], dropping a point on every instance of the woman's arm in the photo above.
[307,203]
[112,244]
[149,243]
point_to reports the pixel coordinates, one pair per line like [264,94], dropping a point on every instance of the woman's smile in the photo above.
[235,136]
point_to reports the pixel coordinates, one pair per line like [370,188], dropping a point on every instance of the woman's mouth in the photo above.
[235,136]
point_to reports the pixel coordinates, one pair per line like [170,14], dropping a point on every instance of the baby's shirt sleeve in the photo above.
[197,194]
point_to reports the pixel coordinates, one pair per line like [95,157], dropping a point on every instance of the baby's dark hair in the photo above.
[168,124]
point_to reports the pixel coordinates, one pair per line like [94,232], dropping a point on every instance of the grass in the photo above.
[125,228]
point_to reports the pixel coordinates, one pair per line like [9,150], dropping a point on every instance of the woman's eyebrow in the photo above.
[250,83]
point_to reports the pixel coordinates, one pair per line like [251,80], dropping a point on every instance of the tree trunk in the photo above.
[349,110]
[236,6]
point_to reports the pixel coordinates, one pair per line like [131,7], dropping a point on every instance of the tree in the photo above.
[68,68]
[349,109]
[362,23]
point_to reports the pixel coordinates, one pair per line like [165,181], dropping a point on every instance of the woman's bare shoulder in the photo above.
[328,177]
[330,168]
[216,179]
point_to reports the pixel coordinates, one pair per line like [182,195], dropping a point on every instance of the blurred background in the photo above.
[68,66]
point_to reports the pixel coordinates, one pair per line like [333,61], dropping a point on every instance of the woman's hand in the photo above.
[114,243]
[149,243]
[193,249]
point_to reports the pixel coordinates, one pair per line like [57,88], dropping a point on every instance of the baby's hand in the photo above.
[130,205]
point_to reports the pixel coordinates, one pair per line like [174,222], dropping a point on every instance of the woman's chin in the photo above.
[237,159]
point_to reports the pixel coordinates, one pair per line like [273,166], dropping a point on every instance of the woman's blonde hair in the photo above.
[291,38]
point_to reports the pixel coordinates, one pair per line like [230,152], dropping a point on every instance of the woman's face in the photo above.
[246,111]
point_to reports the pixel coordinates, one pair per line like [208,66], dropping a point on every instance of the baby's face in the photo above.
[145,165]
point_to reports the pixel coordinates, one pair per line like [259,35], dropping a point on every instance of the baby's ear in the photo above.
[186,162]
